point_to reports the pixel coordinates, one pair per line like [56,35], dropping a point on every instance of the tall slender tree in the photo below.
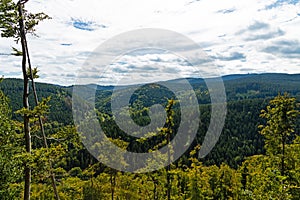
[169,131]
[16,22]
[280,115]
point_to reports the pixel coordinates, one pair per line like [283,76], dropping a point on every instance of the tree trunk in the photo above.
[282,158]
[27,170]
[155,195]
[113,183]
[168,169]
[53,181]
[25,55]
[169,132]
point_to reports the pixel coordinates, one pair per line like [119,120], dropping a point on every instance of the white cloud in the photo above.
[78,27]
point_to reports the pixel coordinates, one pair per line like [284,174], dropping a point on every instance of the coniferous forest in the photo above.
[42,155]
[247,162]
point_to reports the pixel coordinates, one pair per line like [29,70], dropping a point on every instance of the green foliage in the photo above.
[272,176]
[10,145]
[59,104]
[224,174]
[280,117]
[34,73]
[9,20]
[262,180]
[16,52]
[40,110]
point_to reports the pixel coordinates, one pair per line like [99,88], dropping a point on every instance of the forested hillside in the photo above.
[247,95]
[152,141]
[246,163]
[60,103]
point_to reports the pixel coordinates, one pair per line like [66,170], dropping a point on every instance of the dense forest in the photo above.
[42,155]
[246,163]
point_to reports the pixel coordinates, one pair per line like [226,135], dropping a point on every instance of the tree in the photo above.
[199,177]
[281,115]
[15,23]
[279,132]
[294,168]
[262,179]
[168,131]
[10,168]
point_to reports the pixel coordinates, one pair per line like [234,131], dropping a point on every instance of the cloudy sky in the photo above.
[240,36]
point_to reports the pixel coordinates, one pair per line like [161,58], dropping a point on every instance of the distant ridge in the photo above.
[232,77]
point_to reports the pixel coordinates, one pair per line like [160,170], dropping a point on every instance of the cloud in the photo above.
[226,11]
[247,69]
[266,36]
[284,48]
[260,31]
[238,34]
[191,2]
[258,26]
[66,44]
[279,3]
[231,57]
[141,68]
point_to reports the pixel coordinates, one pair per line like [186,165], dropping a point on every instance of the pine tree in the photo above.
[10,167]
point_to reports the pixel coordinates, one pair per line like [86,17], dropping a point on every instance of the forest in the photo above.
[246,163]
[42,155]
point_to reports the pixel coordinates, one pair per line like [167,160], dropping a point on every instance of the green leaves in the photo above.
[33,74]
[31,20]
[16,52]
[9,20]
[10,167]
[280,117]
[278,167]
[40,110]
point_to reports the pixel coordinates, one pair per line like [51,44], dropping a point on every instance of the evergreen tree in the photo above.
[10,147]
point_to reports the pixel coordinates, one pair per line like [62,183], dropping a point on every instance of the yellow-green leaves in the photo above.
[40,110]
[33,73]
[280,116]
[16,52]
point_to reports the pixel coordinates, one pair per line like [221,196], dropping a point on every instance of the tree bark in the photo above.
[112,183]
[283,156]
[168,168]
[27,169]
[169,131]
[53,181]
[25,59]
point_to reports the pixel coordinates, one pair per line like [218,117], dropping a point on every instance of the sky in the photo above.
[240,36]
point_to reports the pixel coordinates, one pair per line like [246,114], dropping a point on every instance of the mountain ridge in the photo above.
[227,77]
